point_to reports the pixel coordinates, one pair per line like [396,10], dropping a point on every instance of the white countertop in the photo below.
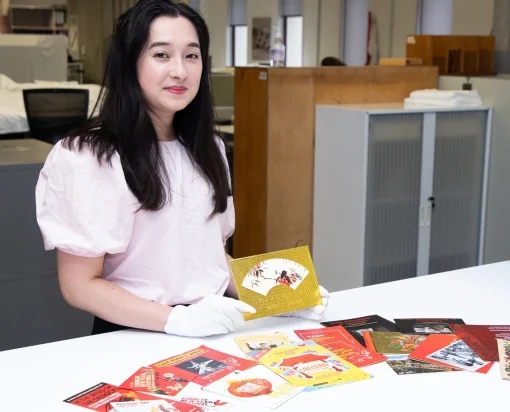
[44,375]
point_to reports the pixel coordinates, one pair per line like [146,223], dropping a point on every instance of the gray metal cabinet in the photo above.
[32,310]
[398,193]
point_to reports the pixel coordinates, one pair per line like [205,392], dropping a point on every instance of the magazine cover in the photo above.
[202,365]
[308,364]
[356,326]
[504,358]
[254,346]
[414,366]
[257,385]
[482,338]
[448,350]
[276,282]
[337,340]
[99,397]
[154,406]
[148,380]
[426,325]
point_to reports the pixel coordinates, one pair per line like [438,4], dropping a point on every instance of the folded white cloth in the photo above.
[436,94]
[427,103]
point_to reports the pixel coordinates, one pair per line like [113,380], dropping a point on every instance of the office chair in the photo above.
[51,113]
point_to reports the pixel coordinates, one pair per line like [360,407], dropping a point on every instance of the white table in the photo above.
[47,374]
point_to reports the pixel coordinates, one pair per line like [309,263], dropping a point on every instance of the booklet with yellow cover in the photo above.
[254,346]
[276,282]
[308,364]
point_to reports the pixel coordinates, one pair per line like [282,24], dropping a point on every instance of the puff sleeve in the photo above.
[227,218]
[84,208]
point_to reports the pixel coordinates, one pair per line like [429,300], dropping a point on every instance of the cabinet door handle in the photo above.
[429,214]
[422,216]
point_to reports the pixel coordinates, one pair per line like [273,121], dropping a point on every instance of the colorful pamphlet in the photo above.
[208,402]
[254,346]
[154,406]
[482,338]
[277,282]
[394,345]
[337,340]
[504,358]
[356,326]
[149,380]
[450,351]
[414,366]
[308,364]
[426,326]
[257,385]
[98,397]
[202,365]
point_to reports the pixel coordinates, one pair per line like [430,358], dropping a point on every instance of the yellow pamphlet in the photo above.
[308,364]
[276,282]
[254,346]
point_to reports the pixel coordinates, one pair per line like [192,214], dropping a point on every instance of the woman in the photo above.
[138,203]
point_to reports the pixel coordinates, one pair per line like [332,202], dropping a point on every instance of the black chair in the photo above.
[52,113]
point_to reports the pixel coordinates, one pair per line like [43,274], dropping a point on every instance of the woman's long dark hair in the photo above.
[123,124]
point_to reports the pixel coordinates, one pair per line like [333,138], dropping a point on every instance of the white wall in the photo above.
[404,23]
[215,13]
[395,20]
[330,32]
[4,7]
[261,8]
[310,32]
[472,17]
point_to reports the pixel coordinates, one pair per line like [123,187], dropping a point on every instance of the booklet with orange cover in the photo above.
[337,340]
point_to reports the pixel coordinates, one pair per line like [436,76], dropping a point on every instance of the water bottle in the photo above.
[277,50]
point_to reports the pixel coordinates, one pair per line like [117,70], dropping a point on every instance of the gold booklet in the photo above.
[276,282]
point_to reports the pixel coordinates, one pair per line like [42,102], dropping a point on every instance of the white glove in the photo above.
[213,315]
[313,313]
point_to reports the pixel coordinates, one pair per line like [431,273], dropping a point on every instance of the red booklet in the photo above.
[99,397]
[202,365]
[482,338]
[449,350]
[337,340]
[147,379]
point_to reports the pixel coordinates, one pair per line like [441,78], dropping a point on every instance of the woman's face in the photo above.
[170,66]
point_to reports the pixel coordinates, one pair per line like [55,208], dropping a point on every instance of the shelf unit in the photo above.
[398,193]
[38,20]
[454,55]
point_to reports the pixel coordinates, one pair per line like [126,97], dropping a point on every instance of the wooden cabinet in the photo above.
[274,142]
